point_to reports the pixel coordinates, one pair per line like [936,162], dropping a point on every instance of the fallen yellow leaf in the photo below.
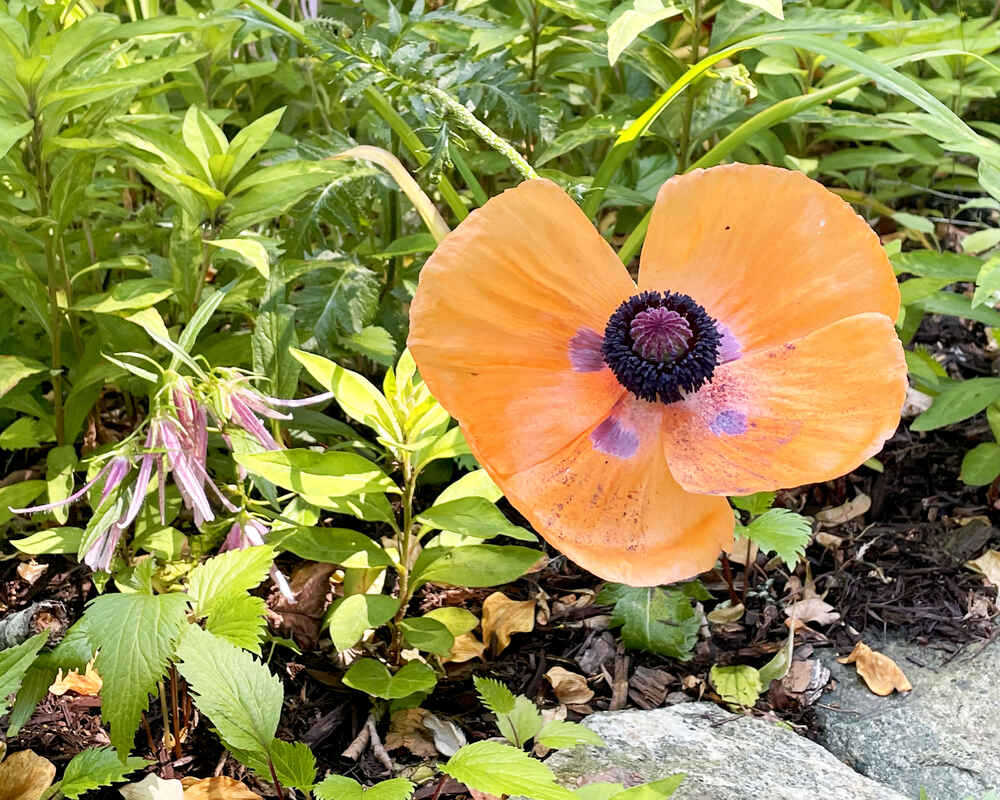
[25,776]
[503,617]
[880,672]
[988,565]
[219,789]
[89,683]
[568,687]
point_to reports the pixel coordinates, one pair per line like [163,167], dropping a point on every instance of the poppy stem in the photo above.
[727,573]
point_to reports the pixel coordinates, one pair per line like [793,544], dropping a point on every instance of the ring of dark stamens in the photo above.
[666,381]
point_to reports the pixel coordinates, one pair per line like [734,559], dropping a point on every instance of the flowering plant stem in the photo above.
[405,539]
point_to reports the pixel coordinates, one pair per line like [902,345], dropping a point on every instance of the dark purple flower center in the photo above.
[661,346]
[659,334]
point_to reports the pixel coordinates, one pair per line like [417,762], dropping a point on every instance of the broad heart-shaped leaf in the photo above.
[235,691]
[372,677]
[294,763]
[981,464]
[14,663]
[135,634]
[332,546]
[500,769]
[340,787]
[360,400]
[229,574]
[96,767]
[494,695]
[474,565]
[781,531]
[473,516]
[351,616]
[653,619]
[958,402]
[427,634]
[557,734]
[318,475]
[240,619]
[740,684]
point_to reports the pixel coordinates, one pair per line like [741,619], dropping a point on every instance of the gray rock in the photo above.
[725,757]
[943,737]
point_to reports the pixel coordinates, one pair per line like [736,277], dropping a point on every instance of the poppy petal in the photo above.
[507,323]
[608,502]
[768,252]
[802,412]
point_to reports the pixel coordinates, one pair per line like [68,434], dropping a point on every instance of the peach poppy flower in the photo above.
[756,352]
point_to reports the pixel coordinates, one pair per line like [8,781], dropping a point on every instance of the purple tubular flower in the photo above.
[257,404]
[114,471]
[99,555]
[246,419]
[189,482]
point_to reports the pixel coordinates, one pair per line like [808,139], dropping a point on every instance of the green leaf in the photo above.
[373,342]
[756,504]
[14,663]
[627,27]
[253,252]
[51,540]
[128,296]
[473,516]
[352,300]
[740,685]
[273,335]
[653,619]
[981,241]
[958,305]
[929,264]
[360,400]
[351,616]
[449,444]
[60,463]
[235,691]
[18,495]
[227,575]
[240,619]
[772,7]
[317,475]
[494,695]
[456,620]
[372,677]
[981,464]
[557,735]
[521,723]
[500,769]
[24,433]
[340,787]
[135,634]
[11,135]
[987,283]
[958,402]
[294,763]
[248,142]
[333,546]
[14,369]
[473,566]
[95,767]
[654,790]
[781,531]
[427,634]
[408,245]
[203,137]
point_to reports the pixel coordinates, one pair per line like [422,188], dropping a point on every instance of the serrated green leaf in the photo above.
[95,767]
[501,769]
[372,677]
[521,723]
[739,684]
[473,516]
[228,574]
[135,634]
[781,531]
[653,619]
[494,695]
[352,300]
[340,787]
[14,663]
[239,694]
[351,616]
[240,619]
[558,734]
[294,763]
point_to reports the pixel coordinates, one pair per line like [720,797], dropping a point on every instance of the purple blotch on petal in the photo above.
[585,351]
[729,422]
[729,348]
[614,439]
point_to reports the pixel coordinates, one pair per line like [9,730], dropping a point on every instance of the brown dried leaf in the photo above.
[846,512]
[880,672]
[88,684]
[31,571]
[466,648]
[813,609]
[153,787]
[722,614]
[220,788]
[407,731]
[988,565]
[568,687]
[25,776]
[503,617]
